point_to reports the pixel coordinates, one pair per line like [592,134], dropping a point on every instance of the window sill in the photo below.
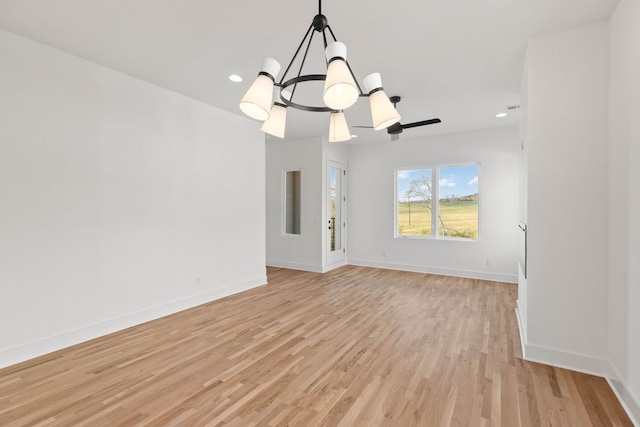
[444,239]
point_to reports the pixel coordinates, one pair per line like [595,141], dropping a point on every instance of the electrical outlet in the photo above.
[385,253]
[489,262]
[198,281]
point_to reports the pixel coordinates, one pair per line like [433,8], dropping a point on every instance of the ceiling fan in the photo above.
[396,129]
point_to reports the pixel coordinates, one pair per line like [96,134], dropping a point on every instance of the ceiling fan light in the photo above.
[256,103]
[383,113]
[340,89]
[276,123]
[338,128]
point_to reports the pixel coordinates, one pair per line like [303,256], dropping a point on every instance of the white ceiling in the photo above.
[457,60]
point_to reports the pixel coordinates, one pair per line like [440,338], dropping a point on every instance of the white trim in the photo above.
[435,204]
[334,265]
[295,266]
[521,330]
[497,277]
[581,363]
[43,346]
[306,267]
[566,360]
[629,401]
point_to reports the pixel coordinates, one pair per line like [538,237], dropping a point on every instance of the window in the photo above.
[291,207]
[446,210]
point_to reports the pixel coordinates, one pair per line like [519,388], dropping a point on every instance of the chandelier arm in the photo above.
[296,54]
[355,79]
[304,58]
[324,36]
[301,79]
[332,35]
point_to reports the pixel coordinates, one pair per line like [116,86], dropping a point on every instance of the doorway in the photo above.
[336,212]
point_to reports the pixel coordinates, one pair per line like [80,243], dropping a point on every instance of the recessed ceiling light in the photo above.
[499,115]
[235,78]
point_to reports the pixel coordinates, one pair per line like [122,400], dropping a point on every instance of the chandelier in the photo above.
[341,89]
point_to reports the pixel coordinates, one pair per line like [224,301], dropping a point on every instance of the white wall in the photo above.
[624,204]
[303,251]
[115,196]
[372,203]
[567,110]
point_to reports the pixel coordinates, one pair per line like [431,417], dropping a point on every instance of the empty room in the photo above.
[319,213]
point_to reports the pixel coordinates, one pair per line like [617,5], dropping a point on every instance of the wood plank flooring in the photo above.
[353,347]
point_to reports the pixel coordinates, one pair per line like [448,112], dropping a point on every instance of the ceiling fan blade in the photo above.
[422,123]
[363,127]
[395,137]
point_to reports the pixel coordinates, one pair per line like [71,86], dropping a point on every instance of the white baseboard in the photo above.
[588,365]
[295,266]
[566,360]
[306,267]
[43,346]
[333,266]
[483,275]
[627,398]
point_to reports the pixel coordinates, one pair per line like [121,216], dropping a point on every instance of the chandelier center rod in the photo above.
[321,25]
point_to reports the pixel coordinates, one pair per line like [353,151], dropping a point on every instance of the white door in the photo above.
[336,213]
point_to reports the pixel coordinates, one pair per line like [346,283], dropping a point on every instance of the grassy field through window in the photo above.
[458,218]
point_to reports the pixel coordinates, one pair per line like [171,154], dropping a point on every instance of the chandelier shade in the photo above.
[341,88]
[256,103]
[338,128]
[276,123]
[383,113]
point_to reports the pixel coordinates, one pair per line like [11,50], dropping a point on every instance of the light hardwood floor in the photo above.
[353,347]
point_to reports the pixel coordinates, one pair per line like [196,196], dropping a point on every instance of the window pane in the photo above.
[414,202]
[292,202]
[458,202]
[335,194]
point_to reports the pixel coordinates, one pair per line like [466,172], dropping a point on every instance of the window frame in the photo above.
[435,201]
